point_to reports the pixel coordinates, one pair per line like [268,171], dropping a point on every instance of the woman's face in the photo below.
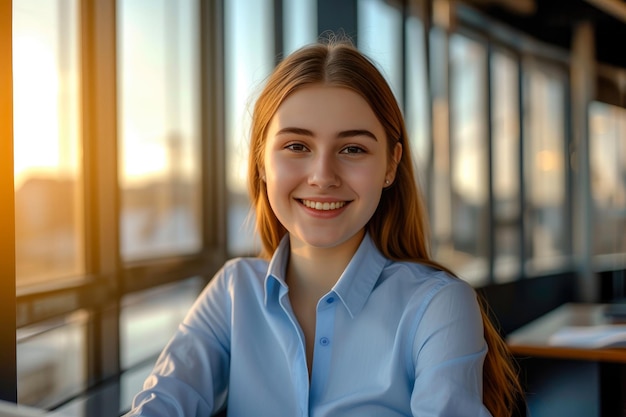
[325,165]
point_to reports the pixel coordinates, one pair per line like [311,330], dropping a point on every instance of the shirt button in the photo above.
[330,300]
[324,341]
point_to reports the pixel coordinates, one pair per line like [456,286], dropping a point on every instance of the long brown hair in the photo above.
[398,226]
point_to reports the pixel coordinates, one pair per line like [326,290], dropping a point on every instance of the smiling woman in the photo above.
[344,312]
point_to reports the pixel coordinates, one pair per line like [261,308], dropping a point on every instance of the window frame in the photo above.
[107,278]
[8,370]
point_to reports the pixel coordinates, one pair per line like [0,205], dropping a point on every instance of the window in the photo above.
[468,158]
[249,57]
[505,148]
[380,37]
[607,144]
[49,203]
[439,200]
[545,168]
[74,274]
[148,319]
[49,222]
[52,360]
[159,128]
[417,99]
[160,172]
[299,24]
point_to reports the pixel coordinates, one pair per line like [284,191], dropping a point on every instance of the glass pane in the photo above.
[468,153]
[417,106]
[544,156]
[149,319]
[249,58]
[439,196]
[300,23]
[47,136]
[506,167]
[608,177]
[380,37]
[159,128]
[51,361]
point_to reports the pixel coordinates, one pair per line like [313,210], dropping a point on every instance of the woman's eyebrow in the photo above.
[342,134]
[356,132]
[294,131]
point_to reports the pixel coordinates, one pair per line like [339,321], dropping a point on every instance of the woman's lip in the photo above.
[323,199]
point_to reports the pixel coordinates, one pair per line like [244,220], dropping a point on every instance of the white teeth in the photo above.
[323,206]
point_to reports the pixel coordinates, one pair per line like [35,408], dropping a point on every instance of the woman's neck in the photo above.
[315,271]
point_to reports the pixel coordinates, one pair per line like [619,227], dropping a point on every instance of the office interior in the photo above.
[123,159]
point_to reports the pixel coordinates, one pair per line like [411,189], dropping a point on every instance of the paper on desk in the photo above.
[605,335]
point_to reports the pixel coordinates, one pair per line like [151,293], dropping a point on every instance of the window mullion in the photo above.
[101,182]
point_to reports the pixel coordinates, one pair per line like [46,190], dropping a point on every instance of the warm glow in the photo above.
[142,160]
[547,161]
[47,147]
[36,125]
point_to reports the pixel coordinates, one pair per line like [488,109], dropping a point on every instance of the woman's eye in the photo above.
[296,147]
[353,150]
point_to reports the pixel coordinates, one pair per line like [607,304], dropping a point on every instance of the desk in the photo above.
[532,341]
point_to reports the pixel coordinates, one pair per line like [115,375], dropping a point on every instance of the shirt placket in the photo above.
[299,370]
[322,352]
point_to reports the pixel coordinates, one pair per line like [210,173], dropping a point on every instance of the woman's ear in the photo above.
[393,167]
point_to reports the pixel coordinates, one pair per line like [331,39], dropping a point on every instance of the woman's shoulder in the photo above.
[246,262]
[419,272]
[237,276]
[242,268]
[423,278]
[427,287]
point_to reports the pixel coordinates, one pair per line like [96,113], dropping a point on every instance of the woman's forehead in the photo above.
[319,105]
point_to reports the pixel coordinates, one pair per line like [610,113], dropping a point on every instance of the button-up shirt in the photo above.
[391,339]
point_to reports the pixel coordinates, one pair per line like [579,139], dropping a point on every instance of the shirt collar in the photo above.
[277,269]
[360,276]
[355,284]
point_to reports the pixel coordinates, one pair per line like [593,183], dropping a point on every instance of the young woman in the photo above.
[344,313]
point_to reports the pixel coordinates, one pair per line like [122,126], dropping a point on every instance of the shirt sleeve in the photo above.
[190,377]
[448,354]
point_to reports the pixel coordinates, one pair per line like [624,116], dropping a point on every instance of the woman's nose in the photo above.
[323,172]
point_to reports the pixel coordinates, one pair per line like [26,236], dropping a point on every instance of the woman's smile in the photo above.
[323,206]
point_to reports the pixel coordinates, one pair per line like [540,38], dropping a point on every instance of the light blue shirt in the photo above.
[391,339]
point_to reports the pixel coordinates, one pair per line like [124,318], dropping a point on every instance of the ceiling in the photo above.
[552,21]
